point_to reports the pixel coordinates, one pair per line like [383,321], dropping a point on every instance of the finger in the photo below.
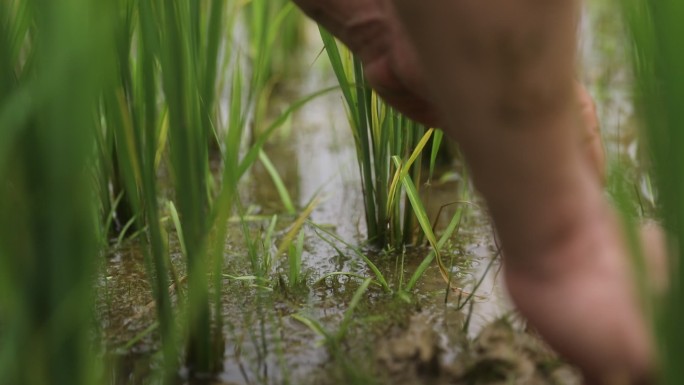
[591,139]
[392,90]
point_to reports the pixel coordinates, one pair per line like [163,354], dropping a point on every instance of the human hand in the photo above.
[591,141]
[371,29]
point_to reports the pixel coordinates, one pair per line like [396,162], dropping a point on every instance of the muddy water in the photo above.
[427,340]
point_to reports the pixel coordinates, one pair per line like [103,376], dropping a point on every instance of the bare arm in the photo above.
[502,73]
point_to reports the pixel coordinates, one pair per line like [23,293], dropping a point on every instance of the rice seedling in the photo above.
[265,20]
[380,134]
[275,24]
[403,289]
[54,62]
[181,81]
[264,258]
[278,182]
[168,55]
[294,271]
[379,277]
[260,253]
[437,245]
[169,58]
[334,339]
[351,371]
[658,60]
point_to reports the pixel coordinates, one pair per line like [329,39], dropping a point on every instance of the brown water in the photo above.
[429,340]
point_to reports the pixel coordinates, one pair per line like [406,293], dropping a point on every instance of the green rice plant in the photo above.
[403,289]
[434,254]
[277,26]
[259,250]
[389,151]
[379,277]
[55,59]
[380,133]
[265,21]
[114,150]
[352,371]
[278,182]
[179,46]
[658,62]
[294,262]
[131,122]
[264,258]
[168,63]
[333,339]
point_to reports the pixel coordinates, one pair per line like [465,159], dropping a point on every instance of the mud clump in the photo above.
[411,353]
[500,355]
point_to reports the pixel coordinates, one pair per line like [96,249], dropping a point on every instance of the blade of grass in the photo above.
[177,224]
[349,313]
[260,141]
[436,143]
[278,182]
[448,233]
[402,169]
[657,60]
[378,274]
[297,226]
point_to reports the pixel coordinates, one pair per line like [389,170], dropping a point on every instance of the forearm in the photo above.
[360,24]
[587,307]
[502,73]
